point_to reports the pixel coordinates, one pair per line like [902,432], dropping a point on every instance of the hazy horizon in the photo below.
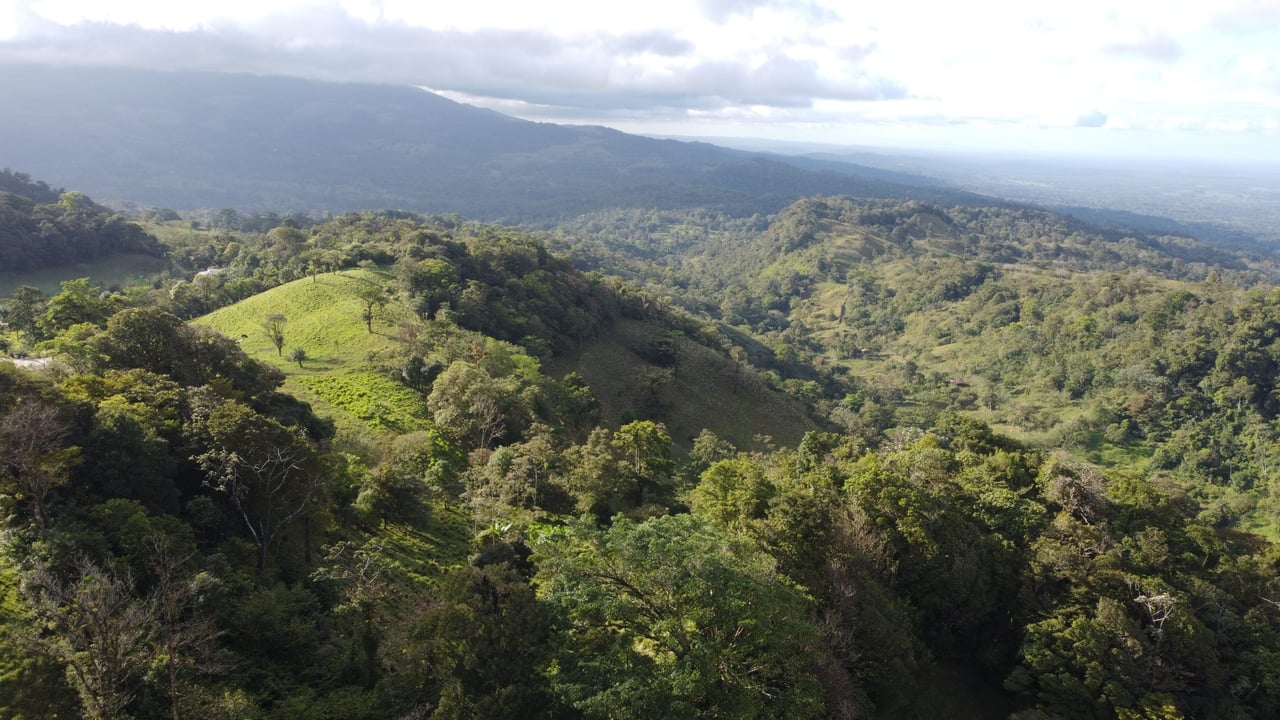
[1145,79]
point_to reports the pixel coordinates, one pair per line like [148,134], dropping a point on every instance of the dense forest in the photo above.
[42,226]
[972,462]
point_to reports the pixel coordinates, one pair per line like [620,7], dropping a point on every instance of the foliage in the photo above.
[39,231]
[901,554]
[374,399]
[671,618]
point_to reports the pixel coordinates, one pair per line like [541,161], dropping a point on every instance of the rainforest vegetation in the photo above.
[858,459]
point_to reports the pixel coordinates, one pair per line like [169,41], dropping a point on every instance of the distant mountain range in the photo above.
[188,140]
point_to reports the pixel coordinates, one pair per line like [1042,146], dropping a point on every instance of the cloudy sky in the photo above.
[1155,77]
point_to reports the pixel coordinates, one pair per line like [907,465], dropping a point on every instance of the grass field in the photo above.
[380,402]
[323,318]
[114,271]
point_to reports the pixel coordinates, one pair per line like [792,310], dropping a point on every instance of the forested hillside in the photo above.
[1127,349]
[41,226]
[861,459]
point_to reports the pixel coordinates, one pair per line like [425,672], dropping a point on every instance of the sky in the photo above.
[1155,78]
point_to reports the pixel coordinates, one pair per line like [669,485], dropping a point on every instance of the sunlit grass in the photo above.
[323,317]
[423,551]
[380,402]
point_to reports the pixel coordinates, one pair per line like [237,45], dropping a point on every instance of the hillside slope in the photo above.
[1154,353]
[704,390]
[322,317]
[41,227]
[478,293]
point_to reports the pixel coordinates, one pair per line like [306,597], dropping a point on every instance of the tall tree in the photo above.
[101,632]
[274,326]
[186,638]
[373,298]
[267,472]
[34,459]
[643,451]
[25,310]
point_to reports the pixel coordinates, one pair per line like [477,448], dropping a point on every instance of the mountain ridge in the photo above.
[198,139]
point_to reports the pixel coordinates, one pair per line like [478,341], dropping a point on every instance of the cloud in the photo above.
[1244,16]
[1157,47]
[1094,119]
[621,72]
[653,42]
[722,11]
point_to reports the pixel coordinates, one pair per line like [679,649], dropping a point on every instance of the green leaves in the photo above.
[673,618]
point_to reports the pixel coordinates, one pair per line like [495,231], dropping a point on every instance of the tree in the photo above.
[33,459]
[128,446]
[227,219]
[592,477]
[25,309]
[416,465]
[356,570]
[274,325]
[186,637]
[474,407]
[432,280]
[733,493]
[266,471]
[79,302]
[32,684]
[145,337]
[298,355]
[100,632]
[287,242]
[672,618]
[576,405]
[643,450]
[161,550]
[517,477]
[373,297]
[477,645]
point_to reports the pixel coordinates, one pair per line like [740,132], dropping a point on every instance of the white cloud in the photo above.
[784,63]
[1093,119]
[1157,47]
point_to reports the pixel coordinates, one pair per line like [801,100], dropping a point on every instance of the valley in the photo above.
[599,426]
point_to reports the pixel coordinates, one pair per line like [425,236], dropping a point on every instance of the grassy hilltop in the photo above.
[323,318]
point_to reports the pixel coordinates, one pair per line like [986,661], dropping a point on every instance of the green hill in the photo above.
[323,318]
[344,375]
